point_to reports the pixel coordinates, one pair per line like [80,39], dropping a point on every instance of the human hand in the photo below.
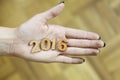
[79,42]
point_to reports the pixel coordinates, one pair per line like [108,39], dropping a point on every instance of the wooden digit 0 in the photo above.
[45,44]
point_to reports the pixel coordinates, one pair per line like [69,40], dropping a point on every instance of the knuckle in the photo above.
[53,14]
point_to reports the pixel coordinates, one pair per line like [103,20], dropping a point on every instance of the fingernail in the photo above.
[61,2]
[83,60]
[104,44]
[99,38]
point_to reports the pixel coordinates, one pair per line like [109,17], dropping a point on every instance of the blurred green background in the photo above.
[100,16]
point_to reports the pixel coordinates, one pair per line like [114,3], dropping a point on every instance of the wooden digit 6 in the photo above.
[62,45]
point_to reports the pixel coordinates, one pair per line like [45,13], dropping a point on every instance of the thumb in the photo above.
[53,12]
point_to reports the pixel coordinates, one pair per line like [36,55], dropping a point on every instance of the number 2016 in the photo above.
[47,44]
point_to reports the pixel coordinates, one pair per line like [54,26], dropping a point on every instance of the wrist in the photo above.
[7,36]
[5,45]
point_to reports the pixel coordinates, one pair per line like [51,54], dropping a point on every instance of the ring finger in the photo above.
[80,51]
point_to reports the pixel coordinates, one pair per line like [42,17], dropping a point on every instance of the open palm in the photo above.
[79,42]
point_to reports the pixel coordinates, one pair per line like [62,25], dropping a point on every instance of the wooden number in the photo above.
[62,45]
[53,43]
[35,47]
[45,44]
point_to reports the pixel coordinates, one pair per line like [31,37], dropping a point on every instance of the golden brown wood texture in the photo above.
[62,45]
[101,16]
[35,46]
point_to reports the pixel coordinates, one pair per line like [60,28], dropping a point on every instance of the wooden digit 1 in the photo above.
[62,45]
[45,44]
[35,45]
[53,44]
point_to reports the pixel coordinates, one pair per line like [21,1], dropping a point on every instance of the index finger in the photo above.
[80,34]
